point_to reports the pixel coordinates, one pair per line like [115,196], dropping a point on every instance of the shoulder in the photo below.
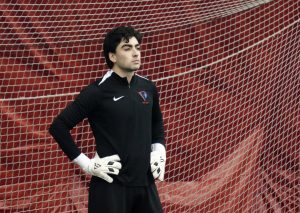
[90,91]
[145,80]
[95,86]
[104,79]
[91,88]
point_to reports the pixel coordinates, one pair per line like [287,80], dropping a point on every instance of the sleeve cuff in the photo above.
[82,160]
[160,148]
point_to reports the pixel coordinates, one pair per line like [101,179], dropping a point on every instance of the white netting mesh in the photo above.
[228,76]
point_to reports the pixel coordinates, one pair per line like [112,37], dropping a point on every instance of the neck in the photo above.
[123,74]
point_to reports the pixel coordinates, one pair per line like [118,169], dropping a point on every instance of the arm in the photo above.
[157,120]
[158,154]
[74,113]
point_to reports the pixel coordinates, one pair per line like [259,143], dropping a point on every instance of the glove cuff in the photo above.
[160,148]
[83,161]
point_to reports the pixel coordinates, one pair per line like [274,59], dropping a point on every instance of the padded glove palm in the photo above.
[157,162]
[100,167]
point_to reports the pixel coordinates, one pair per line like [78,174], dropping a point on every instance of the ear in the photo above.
[112,57]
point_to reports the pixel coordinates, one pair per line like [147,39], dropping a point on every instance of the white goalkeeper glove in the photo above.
[100,167]
[158,161]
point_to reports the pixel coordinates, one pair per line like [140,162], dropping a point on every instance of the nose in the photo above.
[135,52]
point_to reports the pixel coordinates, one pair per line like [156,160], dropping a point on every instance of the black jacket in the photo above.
[125,120]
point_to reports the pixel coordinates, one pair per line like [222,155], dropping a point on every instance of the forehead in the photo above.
[132,41]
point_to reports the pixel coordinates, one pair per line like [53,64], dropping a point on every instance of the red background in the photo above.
[229,87]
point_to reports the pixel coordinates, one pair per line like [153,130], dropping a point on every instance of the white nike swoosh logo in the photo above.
[116,99]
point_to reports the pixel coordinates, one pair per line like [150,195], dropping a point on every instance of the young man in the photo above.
[124,114]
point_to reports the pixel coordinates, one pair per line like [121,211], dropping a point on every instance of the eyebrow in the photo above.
[130,45]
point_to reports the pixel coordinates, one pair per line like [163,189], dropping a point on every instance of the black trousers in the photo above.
[116,198]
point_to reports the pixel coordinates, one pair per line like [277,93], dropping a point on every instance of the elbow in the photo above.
[57,126]
[53,127]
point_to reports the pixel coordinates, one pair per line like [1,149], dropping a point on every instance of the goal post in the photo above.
[228,78]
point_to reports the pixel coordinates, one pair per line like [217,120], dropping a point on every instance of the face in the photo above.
[127,57]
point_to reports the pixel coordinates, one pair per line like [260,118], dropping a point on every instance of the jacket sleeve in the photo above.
[67,119]
[158,135]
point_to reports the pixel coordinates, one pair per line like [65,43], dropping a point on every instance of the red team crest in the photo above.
[144,95]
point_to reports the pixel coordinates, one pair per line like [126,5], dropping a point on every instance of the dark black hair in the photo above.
[114,37]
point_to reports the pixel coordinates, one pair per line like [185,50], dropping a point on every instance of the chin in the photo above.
[133,69]
[130,71]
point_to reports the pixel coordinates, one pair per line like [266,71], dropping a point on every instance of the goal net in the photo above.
[228,77]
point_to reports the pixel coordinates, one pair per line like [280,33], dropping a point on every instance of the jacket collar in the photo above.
[123,80]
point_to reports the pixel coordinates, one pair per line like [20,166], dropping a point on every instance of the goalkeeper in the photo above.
[123,111]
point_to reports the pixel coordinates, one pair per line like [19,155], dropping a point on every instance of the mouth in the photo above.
[136,61]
